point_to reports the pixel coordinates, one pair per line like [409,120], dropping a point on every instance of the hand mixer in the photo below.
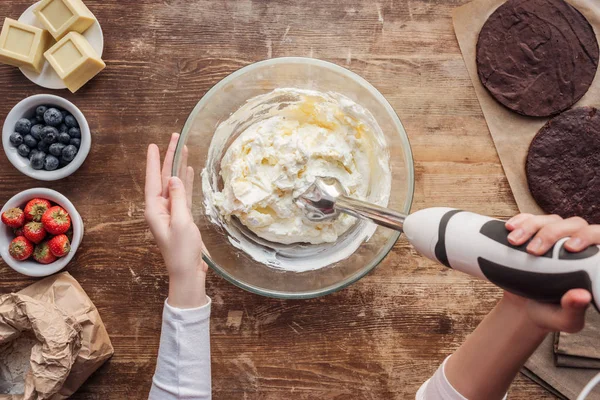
[468,242]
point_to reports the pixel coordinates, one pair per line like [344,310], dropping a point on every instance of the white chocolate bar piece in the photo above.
[74,60]
[23,45]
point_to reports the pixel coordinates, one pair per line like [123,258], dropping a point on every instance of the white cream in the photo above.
[277,156]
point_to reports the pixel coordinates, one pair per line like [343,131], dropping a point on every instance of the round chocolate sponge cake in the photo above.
[563,165]
[537,57]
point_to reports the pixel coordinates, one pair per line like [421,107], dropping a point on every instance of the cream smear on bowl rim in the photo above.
[270,150]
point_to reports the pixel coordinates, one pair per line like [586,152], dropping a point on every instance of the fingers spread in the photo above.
[168,163]
[182,172]
[582,239]
[189,186]
[526,228]
[153,177]
[179,205]
[549,234]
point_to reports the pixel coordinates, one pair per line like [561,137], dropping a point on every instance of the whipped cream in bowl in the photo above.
[257,139]
[270,151]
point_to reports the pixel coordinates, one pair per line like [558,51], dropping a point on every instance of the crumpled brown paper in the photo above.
[73,342]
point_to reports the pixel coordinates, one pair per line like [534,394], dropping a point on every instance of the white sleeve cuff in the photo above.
[187,314]
[439,388]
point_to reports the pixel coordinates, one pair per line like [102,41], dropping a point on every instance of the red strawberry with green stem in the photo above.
[20,248]
[34,231]
[43,255]
[14,218]
[59,245]
[35,209]
[56,220]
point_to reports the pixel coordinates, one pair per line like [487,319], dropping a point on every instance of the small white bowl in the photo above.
[26,109]
[30,267]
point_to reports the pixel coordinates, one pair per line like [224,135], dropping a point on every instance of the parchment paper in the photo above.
[70,331]
[512,133]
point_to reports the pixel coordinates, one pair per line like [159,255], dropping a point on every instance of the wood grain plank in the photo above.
[378,339]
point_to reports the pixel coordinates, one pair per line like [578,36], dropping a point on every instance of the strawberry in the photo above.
[20,249]
[18,231]
[35,209]
[34,231]
[59,245]
[13,218]
[42,254]
[56,220]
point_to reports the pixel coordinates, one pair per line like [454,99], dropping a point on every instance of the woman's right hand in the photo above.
[546,230]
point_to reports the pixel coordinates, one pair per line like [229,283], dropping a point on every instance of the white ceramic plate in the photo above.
[48,78]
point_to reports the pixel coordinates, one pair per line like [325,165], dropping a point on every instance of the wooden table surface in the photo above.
[378,339]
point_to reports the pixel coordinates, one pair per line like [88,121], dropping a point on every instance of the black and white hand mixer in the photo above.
[468,242]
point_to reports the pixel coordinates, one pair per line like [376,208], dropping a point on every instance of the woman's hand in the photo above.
[546,230]
[168,212]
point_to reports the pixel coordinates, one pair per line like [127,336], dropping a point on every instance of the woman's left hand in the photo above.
[168,213]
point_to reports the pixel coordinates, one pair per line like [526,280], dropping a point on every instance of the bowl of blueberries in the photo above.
[46,137]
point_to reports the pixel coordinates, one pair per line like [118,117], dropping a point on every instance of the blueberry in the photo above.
[64,138]
[71,121]
[36,131]
[33,121]
[23,126]
[63,128]
[75,133]
[40,111]
[56,149]
[51,163]
[53,117]
[51,137]
[43,146]
[64,113]
[69,153]
[30,141]
[76,142]
[37,161]
[16,139]
[32,153]
[62,163]
[40,120]
[49,134]
[23,150]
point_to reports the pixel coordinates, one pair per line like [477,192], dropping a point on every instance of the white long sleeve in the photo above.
[439,388]
[183,366]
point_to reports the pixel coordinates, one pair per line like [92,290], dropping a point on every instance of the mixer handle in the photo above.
[537,284]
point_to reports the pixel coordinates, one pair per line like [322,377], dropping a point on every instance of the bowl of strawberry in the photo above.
[41,232]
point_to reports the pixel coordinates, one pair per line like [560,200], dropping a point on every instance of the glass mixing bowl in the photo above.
[227,97]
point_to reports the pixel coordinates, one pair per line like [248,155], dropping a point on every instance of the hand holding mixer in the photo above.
[468,242]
